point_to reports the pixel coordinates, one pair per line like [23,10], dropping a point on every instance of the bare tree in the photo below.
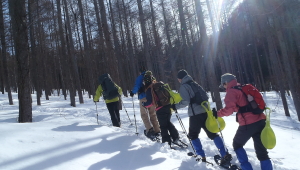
[17,11]
[86,51]
[4,60]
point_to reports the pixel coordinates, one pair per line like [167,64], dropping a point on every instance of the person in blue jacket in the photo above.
[148,115]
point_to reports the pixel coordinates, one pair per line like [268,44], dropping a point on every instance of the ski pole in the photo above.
[126,112]
[183,128]
[134,117]
[97,112]
[214,109]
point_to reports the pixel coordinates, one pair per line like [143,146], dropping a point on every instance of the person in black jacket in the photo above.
[169,133]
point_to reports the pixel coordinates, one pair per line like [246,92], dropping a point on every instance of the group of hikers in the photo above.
[156,115]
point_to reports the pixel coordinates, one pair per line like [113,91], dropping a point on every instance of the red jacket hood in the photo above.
[231,84]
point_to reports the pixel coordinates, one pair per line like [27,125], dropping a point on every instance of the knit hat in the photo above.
[226,78]
[148,73]
[142,69]
[181,73]
[148,79]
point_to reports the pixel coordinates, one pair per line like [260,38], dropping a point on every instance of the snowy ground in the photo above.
[62,137]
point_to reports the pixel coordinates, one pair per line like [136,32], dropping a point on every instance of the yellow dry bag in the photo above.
[212,124]
[175,97]
[267,135]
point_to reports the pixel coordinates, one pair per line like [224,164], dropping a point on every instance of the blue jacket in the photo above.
[149,102]
[138,84]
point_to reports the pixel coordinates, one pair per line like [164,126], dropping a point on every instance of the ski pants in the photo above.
[113,109]
[168,130]
[196,123]
[149,118]
[244,133]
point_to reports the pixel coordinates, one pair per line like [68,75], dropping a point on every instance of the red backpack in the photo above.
[256,104]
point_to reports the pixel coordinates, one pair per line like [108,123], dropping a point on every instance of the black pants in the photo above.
[196,123]
[113,109]
[244,133]
[166,126]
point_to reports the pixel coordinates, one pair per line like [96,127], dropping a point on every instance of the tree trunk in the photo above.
[132,60]
[210,56]
[117,49]
[73,57]
[4,59]
[288,69]
[144,36]
[68,76]
[157,48]
[111,57]
[185,40]
[18,15]
[101,39]
[87,56]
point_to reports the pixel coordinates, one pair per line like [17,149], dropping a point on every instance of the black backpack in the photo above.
[200,94]
[109,88]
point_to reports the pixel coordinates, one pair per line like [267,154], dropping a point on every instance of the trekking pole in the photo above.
[214,109]
[183,128]
[134,117]
[126,112]
[207,109]
[97,112]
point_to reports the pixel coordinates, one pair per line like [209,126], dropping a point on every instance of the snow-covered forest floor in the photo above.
[62,137]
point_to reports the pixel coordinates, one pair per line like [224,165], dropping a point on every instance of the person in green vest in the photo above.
[111,93]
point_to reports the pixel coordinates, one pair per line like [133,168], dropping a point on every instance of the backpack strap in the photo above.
[243,109]
[192,99]
[190,95]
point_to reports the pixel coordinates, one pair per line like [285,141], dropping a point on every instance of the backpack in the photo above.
[200,94]
[161,93]
[256,103]
[109,88]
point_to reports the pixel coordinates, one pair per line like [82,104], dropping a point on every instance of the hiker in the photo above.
[197,118]
[148,115]
[250,124]
[169,133]
[111,93]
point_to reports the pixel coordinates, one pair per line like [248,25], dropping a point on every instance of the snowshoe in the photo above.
[225,162]
[198,158]
[179,143]
[151,135]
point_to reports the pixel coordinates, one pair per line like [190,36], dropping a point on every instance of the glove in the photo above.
[215,113]
[143,105]
[173,106]
[131,93]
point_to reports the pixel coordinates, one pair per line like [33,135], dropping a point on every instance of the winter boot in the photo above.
[176,141]
[225,161]
[220,145]
[198,147]
[157,134]
[266,165]
[243,159]
[150,134]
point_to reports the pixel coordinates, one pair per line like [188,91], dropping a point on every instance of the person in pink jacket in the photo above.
[250,125]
